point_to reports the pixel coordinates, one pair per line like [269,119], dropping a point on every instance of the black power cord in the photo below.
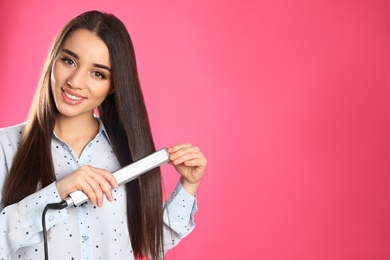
[60,205]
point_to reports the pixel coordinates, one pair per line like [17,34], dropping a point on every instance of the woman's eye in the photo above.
[98,75]
[68,61]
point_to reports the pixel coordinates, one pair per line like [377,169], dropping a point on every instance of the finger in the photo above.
[183,151]
[101,186]
[95,192]
[81,183]
[108,176]
[178,147]
[88,190]
[107,190]
[89,182]
[189,154]
[106,181]
[197,162]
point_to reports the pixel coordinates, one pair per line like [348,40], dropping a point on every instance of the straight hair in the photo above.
[126,120]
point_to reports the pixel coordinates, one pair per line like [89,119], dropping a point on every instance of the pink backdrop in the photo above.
[289,100]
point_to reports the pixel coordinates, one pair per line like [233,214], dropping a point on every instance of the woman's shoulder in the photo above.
[12,135]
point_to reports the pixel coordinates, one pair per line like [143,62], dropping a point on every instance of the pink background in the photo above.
[289,101]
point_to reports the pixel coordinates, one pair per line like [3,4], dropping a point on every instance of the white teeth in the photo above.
[72,97]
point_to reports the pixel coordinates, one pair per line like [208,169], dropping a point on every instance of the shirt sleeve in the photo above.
[21,223]
[179,213]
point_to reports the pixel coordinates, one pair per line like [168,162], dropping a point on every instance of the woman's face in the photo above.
[81,74]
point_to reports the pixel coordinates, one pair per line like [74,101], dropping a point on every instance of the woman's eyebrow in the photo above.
[71,53]
[74,55]
[102,66]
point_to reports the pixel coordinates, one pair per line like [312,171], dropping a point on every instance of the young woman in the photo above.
[64,147]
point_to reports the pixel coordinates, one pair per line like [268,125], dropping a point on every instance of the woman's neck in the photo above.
[76,132]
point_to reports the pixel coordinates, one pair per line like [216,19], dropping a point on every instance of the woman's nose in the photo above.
[78,79]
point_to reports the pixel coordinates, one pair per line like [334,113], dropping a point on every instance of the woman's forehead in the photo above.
[87,46]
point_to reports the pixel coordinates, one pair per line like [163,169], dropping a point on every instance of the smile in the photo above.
[76,98]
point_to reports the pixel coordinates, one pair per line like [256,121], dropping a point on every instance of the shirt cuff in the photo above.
[181,208]
[37,202]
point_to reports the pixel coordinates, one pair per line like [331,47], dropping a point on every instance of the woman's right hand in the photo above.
[94,182]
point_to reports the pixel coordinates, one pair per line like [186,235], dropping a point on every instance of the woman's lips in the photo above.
[71,98]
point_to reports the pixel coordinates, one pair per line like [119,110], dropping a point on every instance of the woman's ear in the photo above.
[112,91]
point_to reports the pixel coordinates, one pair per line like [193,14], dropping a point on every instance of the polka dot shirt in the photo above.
[84,232]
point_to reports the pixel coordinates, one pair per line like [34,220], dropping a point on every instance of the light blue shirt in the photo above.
[85,232]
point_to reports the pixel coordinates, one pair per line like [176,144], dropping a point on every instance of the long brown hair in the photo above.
[125,117]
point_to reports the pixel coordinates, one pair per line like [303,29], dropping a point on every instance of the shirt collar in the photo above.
[102,131]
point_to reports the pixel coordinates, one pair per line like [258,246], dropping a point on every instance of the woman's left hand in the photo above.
[190,163]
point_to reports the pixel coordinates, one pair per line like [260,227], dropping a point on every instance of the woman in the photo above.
[64,147]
